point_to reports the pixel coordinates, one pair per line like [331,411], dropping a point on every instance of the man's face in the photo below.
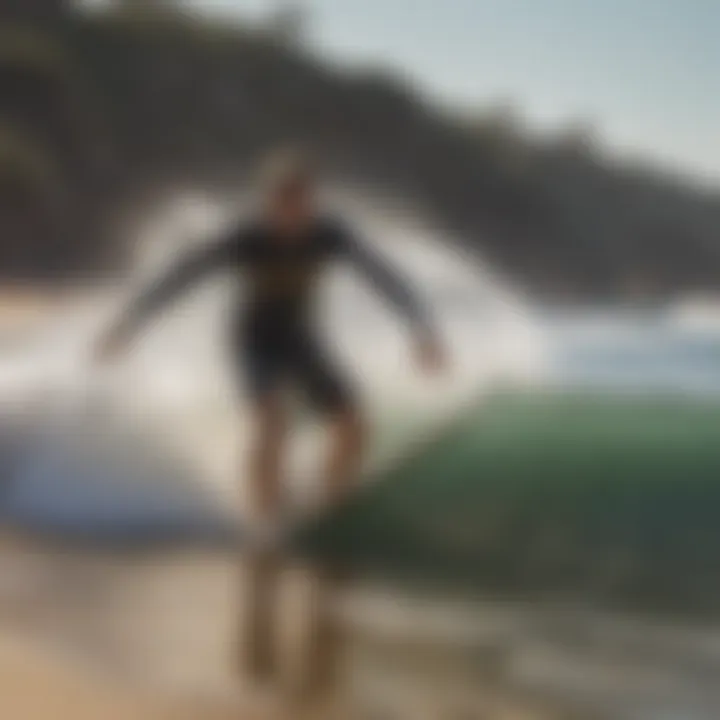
[293,205]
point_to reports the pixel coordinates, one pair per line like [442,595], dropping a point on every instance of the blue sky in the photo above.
[645,72]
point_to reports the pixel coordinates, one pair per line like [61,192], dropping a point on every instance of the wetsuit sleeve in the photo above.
[190,270]
[386,280]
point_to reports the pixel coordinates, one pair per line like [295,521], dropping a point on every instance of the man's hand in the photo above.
[111,345]
[430,354]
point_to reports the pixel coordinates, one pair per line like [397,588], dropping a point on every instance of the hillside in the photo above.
[101,112]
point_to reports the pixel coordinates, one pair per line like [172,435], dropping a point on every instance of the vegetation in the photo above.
[165,98]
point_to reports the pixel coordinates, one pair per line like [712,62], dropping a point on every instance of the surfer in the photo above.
[281,255]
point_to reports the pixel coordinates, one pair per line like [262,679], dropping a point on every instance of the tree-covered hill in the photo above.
[130,101]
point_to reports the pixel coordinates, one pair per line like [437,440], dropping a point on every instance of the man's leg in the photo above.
[267,451]
[332,395]
[346,431]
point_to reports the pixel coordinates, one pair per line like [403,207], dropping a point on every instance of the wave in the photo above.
[603,499]
[95,481]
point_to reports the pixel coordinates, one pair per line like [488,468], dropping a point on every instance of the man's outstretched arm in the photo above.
[399,293]
[191,269]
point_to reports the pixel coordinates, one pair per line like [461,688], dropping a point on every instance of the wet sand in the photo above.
[66,653]
[159,636]
[34,685]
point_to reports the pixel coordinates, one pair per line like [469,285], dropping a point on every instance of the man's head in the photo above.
[288,186]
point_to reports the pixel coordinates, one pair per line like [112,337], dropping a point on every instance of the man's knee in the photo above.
[269,420]
[350,423]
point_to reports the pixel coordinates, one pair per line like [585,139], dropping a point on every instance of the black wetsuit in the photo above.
[274,335]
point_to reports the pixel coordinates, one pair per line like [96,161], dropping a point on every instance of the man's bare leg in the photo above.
[266,460]
[347,445]
[266,487]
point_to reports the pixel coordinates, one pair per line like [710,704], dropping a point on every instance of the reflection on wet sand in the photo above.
[189,634]
[298,649]
[161,624]
[327,633]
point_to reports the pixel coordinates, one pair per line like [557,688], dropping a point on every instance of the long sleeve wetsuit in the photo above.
[274,338]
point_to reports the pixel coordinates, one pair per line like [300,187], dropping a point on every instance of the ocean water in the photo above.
[161,435]
[575,411]
[143,442]
[176,398]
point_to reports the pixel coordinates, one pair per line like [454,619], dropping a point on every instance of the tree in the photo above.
[34,10]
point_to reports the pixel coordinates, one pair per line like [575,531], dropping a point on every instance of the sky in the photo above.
[645,73]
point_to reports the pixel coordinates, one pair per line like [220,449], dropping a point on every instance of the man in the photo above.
[281,255]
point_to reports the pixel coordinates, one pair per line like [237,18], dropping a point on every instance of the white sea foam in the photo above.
[178,390]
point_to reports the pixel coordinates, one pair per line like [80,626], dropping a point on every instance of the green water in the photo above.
[605,499]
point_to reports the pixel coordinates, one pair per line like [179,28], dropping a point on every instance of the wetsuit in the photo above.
[274,337]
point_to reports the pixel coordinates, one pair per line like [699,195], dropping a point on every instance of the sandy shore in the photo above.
[36,686]
[96,636]
[59,650]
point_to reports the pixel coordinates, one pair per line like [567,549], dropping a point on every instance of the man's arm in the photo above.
[191,269]
[388,282]
[399,293]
